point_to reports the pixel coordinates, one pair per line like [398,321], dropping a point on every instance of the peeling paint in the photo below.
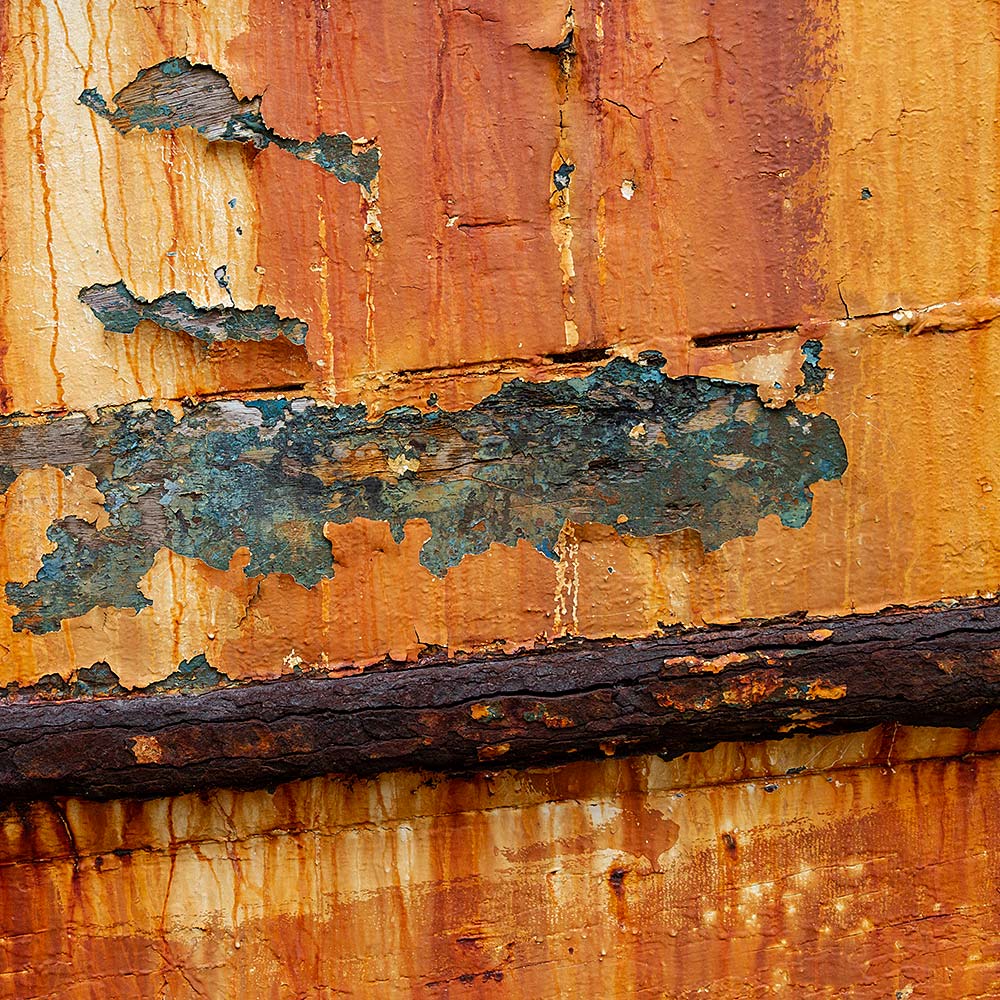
[121,311]
[267,475]
[813,375]
[179,94]
[100,681]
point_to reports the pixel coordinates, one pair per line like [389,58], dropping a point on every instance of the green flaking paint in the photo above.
[179,94]
[121,311]
[100,681]
[625,444]
[813,374]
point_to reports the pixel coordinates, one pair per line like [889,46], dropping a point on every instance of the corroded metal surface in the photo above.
[327,344]
[176,94]
[557,192]
[626,446]
[861,866]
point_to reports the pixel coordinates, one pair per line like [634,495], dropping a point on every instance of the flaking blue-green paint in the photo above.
[813,374]
[100,681]
[121,311]
[625,443]
[179,94]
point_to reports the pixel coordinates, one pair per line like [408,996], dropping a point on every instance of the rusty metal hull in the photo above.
[369,350]
[746,185]
[684,691]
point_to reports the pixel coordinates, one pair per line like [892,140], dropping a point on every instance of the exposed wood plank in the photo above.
[685,690]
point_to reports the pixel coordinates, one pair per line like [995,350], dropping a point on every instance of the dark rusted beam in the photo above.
[682,691]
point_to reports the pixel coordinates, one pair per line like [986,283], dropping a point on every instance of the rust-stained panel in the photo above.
[861,866]
[381,206]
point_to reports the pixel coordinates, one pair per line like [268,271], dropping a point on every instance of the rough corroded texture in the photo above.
[671,695]
[843,868]
[793,203]
[555,188]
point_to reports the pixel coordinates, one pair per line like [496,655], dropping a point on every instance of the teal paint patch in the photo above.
[179,94]
[100,681]
[626,442]
[813,374]
[121,311]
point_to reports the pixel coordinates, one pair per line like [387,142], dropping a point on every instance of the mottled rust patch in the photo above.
[147,750]
[451,714]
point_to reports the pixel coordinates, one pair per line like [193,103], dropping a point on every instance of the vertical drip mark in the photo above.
[176,216]
[373,246]
[39,77]
[177,591]
[324,297]
[438,157]
[602,241]
[567,582]
[105,222]
[6,402]
[154,383]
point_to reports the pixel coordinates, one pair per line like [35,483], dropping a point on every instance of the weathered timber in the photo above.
[682,691]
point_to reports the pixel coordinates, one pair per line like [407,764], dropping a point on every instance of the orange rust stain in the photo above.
[826,691]
[719,154]
[147,750]
[553,721]
[703,665]
[753,687]
[719,162]
[725,871]
[493,752]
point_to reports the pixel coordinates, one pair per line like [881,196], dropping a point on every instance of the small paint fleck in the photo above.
[232,203]
[628,189]
[866,194]
[770,788]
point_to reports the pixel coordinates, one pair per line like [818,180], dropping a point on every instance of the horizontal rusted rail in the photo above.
[682,691]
